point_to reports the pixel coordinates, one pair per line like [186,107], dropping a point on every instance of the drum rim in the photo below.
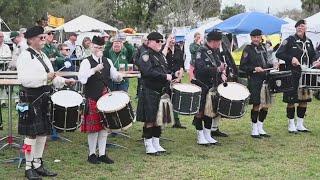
[66,90]
[119,108]
[176,84]
[120,129]
[240,85]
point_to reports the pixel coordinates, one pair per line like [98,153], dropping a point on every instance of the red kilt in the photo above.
[92,121]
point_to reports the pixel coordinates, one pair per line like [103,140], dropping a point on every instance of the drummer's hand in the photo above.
[51,76]
[222,67]
[258,69]
[316,63]
[295,61]
[276,65]
[70,82]
[99,67]
[177,80]
[224,77]
[169,77]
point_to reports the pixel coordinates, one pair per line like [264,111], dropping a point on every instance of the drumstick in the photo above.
[267,69]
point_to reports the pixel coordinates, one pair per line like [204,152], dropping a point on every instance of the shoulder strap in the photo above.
[33,53]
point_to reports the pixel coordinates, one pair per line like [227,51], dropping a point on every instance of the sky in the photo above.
[262,5]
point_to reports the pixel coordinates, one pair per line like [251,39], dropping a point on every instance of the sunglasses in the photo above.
[50,33]
[42,37]
[159,41]
[66,49]
[97,47]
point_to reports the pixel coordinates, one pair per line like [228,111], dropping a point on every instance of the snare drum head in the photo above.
[234,91]
[183,87]
[66,98]
[113,101]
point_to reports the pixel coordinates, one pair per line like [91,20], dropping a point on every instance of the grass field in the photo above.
[283,156]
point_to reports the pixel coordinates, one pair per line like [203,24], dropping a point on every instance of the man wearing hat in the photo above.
[94,73]
[254,61]
[51,50]
[120,52]
[298,53]
[35,73]
[156,78]
[209,73]
[71,42]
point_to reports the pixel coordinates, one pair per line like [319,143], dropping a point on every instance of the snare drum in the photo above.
[280,81]
[117,110]
[66,110]
[310,79]
[186,98]
[231,100]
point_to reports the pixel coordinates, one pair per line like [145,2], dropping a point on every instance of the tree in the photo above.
[310,6]
[17,13]
[294,14]
[230,11]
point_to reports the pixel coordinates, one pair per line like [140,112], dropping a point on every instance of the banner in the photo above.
[55,21]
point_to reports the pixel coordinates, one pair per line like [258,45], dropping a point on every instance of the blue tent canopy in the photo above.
[244,23]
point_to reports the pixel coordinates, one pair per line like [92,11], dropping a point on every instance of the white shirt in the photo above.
[32,74]
[5,50]
[17,49]
[85,71]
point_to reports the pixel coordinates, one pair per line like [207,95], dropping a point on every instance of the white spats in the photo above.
[300,126]
[260,128]
[149,146]
[156,145]
[207,136]
[291,126]
[201,139]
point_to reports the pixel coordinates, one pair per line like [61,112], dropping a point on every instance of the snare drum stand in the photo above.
[118,145]
[10,138]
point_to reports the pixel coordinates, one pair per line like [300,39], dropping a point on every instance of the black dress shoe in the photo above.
[256,136]
[105,159]
[265,135]
[93,159]
[179,126]
[32,174]
[44,172]
[305,131]
[218,133]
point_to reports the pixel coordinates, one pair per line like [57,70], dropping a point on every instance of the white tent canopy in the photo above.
[85,23]
[189,37]
[313,29]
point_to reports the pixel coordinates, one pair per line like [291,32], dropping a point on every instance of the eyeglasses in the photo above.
[50,33]
[66,49]
[98,47]
[159,41]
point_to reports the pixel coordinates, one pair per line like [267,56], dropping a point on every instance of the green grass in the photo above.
[283,156]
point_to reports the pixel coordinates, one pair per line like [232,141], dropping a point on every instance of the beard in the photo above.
[99,54]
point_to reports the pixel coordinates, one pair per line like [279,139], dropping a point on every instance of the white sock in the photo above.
[38,151]
[92,141]
[102,142]
[29,155]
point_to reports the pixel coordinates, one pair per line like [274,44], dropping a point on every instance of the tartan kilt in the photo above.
[93,119]
[254,86]
[35,121]
[292,97]
[148,105]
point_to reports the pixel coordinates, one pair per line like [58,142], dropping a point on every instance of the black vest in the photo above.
[97,82]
